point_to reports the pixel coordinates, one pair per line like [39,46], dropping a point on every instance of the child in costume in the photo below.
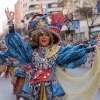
[93,53]
[3,67]
[42,57]
[7,66]
[85,42]
[21,79]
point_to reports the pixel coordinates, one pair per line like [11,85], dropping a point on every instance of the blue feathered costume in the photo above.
[41,83]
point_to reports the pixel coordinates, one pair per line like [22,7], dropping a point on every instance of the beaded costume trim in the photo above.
[41,62]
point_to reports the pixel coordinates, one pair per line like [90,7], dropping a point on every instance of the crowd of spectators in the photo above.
[87,42]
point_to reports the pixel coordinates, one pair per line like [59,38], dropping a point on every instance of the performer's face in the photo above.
[44,39]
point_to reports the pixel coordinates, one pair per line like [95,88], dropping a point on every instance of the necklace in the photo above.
[42,62]
[42,50]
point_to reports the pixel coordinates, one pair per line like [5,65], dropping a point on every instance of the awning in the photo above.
[95,33]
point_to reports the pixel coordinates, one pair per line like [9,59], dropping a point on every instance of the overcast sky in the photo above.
[4,4]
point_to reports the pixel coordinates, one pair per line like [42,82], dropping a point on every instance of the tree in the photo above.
[68,11]
[88,12]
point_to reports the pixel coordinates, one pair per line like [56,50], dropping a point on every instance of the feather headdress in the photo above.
[57,21]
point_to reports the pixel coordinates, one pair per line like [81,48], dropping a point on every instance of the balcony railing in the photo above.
[30,3]
[55,9]
[49,10]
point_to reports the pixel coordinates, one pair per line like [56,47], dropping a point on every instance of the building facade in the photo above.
[86,12]
[17,19]
[24,10]
[30,7]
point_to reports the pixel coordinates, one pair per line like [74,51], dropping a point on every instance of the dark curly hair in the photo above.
[34,42]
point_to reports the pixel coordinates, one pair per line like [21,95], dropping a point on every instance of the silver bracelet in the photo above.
[10,22]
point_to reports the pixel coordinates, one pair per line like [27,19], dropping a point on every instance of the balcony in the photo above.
[33,11]
[49,10]
[55,9]
[30,3]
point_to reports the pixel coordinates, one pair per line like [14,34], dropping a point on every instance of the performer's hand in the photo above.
[98,44]
[9,14]
[95,46]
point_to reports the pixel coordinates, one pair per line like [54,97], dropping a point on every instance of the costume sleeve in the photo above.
[18,48]
[3,56]
[90,49]
[72,56]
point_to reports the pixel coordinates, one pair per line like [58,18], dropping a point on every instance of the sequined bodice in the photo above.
[41,62]
[44,70]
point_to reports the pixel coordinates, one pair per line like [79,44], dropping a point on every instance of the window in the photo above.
[33,0]
[82,35]
[27,18]
[37,6]
[76,35]
[54,5]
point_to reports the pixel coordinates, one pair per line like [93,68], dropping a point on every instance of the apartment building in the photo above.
[17,19]
[30,7]
[24,10]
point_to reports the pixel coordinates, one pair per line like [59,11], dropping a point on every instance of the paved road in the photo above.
[6,87]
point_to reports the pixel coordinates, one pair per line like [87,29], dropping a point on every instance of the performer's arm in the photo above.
[17,47]
[72,56]
[90,49]
[3,56]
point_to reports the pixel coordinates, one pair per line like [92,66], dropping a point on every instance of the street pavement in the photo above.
[6,87]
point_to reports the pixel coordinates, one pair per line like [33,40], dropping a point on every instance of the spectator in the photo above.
[92,41]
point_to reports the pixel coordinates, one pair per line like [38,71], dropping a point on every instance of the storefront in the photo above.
[67,33]
[95,31]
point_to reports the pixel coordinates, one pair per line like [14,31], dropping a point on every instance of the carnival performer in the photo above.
[20,80]
[93,53]
[3,48]
[42,56]
[85,42]
[7,67]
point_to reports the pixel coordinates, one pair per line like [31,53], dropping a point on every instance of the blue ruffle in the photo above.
[3,56]
[53,90]
[57,90]
[20,73]
[72,56]
[18,48]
